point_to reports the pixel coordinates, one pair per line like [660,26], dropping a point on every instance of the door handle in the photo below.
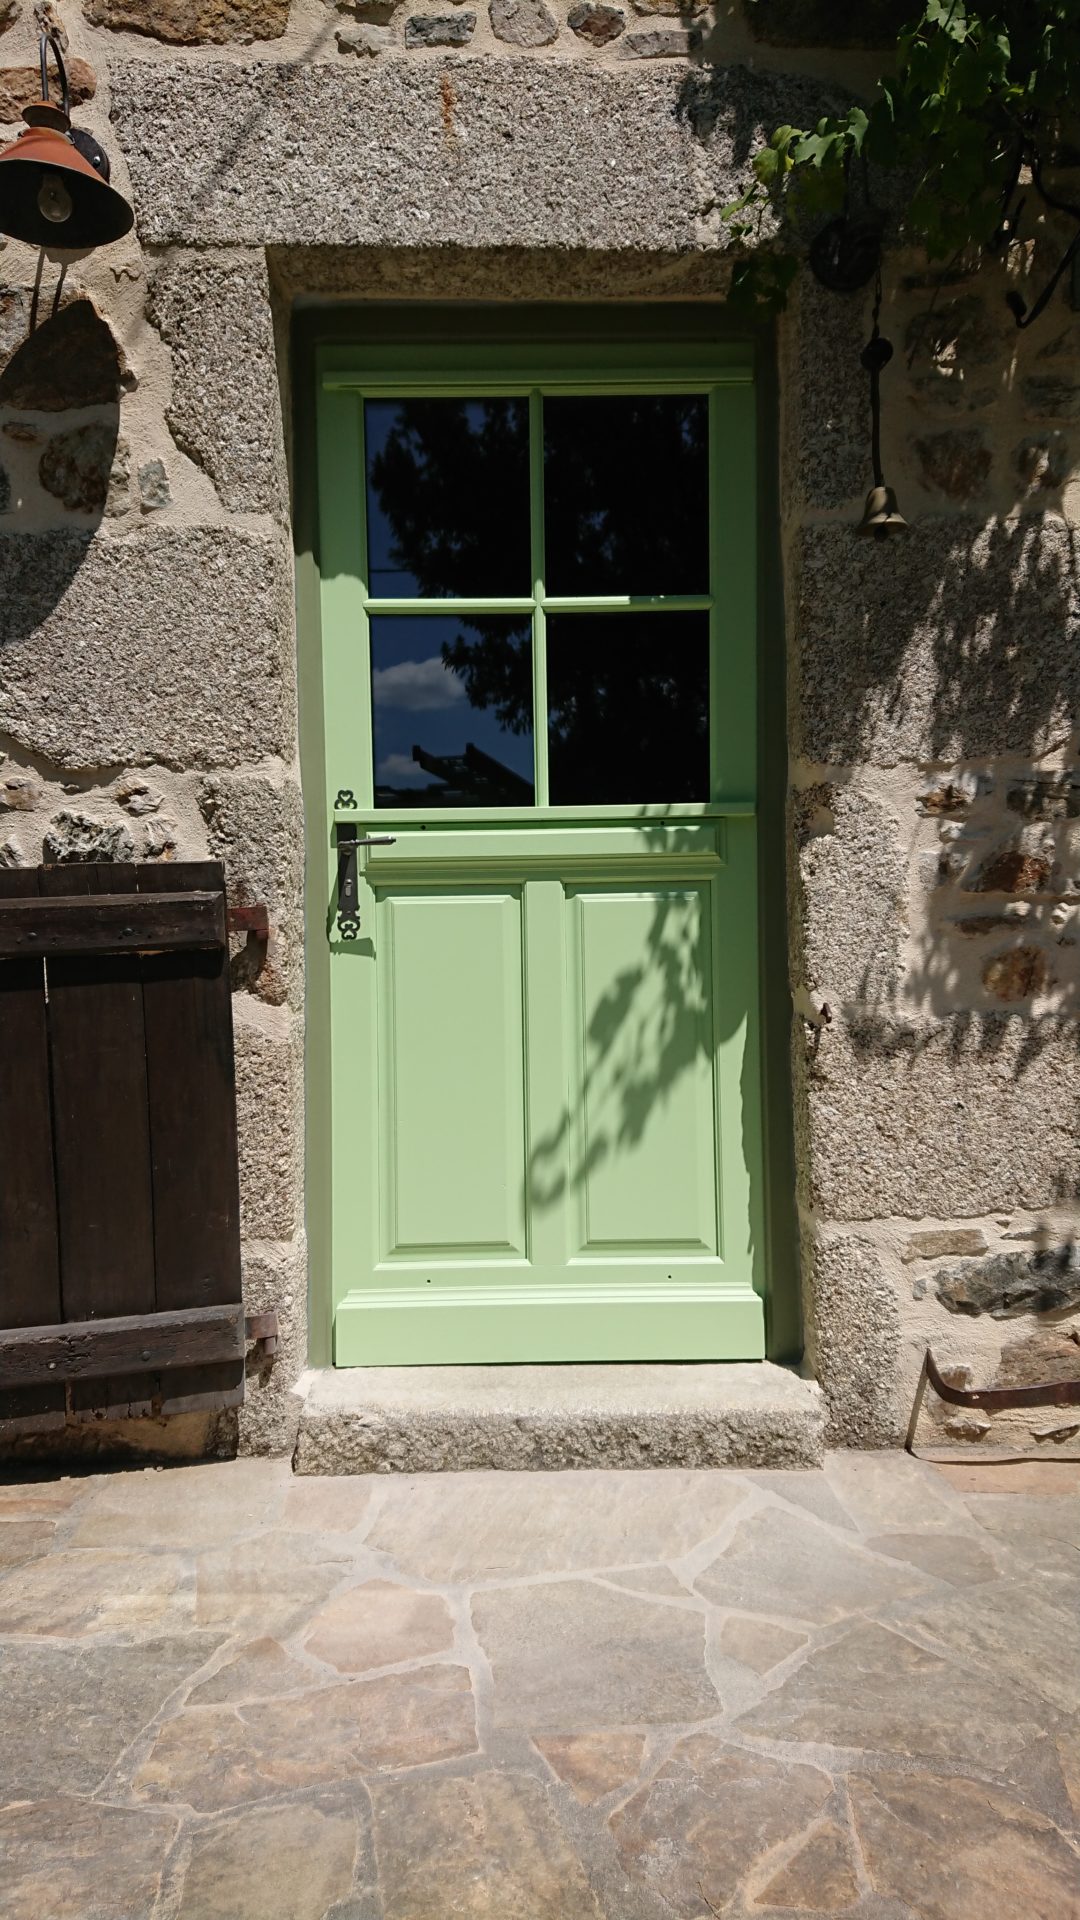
[348,844]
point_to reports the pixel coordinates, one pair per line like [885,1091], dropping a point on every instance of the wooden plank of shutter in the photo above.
[29,1243]
[192,1109]
[112,924]
[91,1349]
[101,1132]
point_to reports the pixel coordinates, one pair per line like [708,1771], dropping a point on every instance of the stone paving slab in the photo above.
[231,1694]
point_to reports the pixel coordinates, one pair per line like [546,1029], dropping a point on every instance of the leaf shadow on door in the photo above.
[657,1021]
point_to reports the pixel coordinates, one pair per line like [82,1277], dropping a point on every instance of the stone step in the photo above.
[449,1419]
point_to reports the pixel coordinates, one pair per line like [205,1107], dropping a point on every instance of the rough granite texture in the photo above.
[275,1281]
[171,646]
[968,1116]
[855,1340]
[269,1101]
[443,1419]
[215,317]
[527,144]
[957,643]
[852,876]
[255,825]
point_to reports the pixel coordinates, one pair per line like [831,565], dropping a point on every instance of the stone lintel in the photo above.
[492,153]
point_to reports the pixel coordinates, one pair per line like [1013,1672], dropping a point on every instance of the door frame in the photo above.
[635,339]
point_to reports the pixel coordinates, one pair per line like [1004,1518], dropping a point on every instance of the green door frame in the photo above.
[334,354]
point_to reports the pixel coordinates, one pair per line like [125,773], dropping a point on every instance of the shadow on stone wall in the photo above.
[62,464]
[955,643]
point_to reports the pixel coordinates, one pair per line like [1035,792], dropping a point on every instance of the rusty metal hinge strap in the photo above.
[262,1329]
[1045,1393]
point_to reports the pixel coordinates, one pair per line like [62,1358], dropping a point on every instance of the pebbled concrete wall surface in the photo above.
[147,636]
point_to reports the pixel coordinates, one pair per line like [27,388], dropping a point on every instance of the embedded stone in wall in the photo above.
[956,463]
[1051,395]
[440,29]
[943,795]
[523,23]
[663,43]
[1052,796]
[193,22]
[1049,1353]
[75,466]
[21,86]
[225,410]
[1017,974]
[821,23]
[680,9]
[184,653]
[137,796]
[595,22]
[159,840]
[1024,866]
[1043,463]
[364,41]
[153,486]
[372,13]
[935,1242]
[18,793]
[954,350]
[72,360]
[1006,1284]
[76,837]
[9,13]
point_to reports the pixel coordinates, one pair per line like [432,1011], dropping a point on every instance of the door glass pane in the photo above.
[626,494]
[628,707]
[452,711]
[447,498]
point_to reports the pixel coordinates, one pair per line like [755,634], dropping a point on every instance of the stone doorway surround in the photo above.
[932,687]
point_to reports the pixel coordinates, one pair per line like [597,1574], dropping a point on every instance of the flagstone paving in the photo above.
[229,1694]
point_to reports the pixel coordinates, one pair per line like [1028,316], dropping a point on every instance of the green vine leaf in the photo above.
[978,97]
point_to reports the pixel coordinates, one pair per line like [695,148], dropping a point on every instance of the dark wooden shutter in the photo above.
[119,1208]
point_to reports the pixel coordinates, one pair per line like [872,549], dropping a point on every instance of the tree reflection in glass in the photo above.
[452,711]
[626,494]
[626,509]
[448,498]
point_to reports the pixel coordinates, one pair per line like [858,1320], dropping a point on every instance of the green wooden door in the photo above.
[538,665]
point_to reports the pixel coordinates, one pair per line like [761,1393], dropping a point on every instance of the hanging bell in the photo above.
[881,515]
[54,184]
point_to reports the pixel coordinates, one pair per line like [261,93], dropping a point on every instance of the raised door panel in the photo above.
[642,1072]
[451,1125]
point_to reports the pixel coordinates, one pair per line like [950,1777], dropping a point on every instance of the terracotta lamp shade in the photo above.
[50,196]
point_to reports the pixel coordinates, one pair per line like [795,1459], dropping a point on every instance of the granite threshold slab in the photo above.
[454,1419]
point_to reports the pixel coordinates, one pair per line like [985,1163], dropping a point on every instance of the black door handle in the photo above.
[348,844]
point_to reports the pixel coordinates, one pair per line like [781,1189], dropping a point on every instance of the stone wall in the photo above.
[533,149]
[936,889]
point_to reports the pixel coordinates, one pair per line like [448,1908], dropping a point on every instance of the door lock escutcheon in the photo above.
[349,842]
